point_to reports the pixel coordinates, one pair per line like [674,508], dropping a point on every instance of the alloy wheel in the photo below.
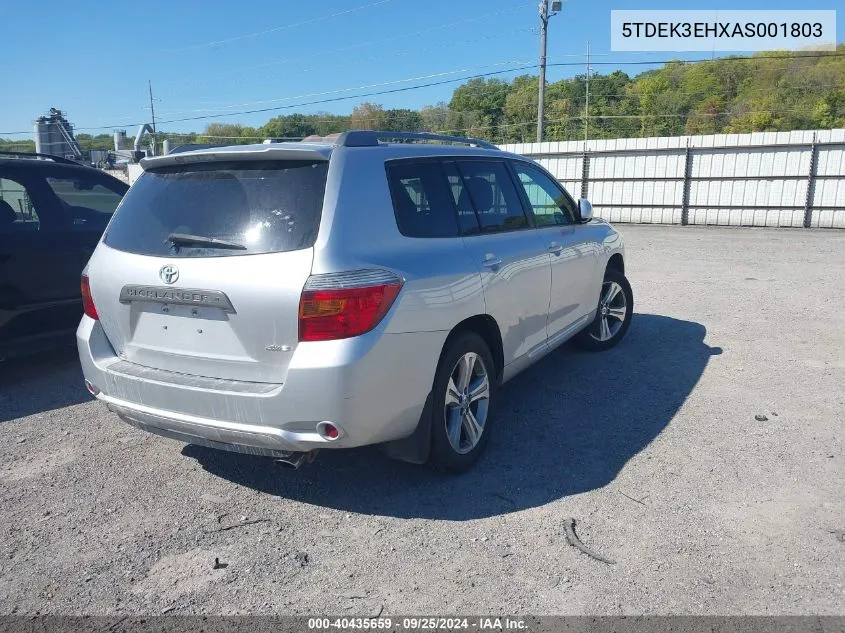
[612,310]
[466,403]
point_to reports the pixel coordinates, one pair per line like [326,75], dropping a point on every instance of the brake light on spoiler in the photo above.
[342,305]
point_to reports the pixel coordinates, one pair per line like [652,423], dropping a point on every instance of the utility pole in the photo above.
[152,114]
[545,14]
[544,23]
[587,100]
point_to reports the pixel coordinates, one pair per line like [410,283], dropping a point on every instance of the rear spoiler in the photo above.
[275,151]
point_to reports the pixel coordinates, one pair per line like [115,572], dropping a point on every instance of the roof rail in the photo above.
[56,159]
[370,138]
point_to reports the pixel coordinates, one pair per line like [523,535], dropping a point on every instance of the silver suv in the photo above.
[282,298]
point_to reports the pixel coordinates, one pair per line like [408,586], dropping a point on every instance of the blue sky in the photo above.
[93,59]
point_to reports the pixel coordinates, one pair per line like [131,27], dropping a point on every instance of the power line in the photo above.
[357,60]
[275,29]
[577,118]
[426,85]
[363,44]
[572,79]
[496,126]
[526,67]
[309,103]
[493,126]
[221,110]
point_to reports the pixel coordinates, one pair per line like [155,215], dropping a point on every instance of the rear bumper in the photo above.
[239,438]
[373,388]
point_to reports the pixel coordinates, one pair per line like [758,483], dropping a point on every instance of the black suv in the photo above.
[52,214]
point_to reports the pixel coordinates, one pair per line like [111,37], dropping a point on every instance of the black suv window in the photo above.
[489,191]
[17,211]
[421,199]
[256,207]
[84,193]
[549,203]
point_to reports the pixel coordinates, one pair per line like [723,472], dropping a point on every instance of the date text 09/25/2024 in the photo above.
[419,624]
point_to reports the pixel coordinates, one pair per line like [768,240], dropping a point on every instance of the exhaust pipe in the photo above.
[295,459]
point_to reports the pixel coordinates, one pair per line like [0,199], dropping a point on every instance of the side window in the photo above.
[550,204]
[17,212]
[467,221]
[421,199]
[85,196]
[489,190]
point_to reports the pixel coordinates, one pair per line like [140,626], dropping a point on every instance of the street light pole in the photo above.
[544,22]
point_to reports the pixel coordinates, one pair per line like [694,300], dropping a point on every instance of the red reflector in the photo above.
[330,431]
[330,314]
[88,300]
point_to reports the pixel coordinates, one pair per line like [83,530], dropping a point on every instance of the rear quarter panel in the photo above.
[358,230]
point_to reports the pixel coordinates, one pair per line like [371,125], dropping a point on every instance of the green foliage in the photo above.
[767,92]
[16,145]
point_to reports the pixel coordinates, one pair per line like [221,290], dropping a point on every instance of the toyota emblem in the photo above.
[169,274]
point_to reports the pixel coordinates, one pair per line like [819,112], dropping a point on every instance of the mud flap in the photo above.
[415,448]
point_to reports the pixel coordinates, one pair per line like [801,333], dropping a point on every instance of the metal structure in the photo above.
[137,152]
[54,136]
[119,140]
[153,141]
[778,179]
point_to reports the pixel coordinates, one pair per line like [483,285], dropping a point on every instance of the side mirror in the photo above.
[585,210]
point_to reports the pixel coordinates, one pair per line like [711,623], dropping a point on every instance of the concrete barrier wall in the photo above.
[790,179]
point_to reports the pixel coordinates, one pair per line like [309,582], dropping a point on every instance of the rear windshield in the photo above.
[262,207]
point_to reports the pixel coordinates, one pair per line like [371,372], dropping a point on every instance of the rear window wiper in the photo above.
[184,239]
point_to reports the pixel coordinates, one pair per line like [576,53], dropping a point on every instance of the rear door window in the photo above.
[467,220]
[17,211]
[255,207]
[85,194]
[489,190]
[421,199]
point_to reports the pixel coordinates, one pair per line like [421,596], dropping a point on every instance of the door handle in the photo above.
[491,262]
[555,248]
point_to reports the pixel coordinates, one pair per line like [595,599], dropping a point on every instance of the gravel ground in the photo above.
[653,448]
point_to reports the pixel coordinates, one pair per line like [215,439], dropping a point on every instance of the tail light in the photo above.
[342,305]
[88,300]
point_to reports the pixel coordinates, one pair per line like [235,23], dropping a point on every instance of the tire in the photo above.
[457,443]
[594,337]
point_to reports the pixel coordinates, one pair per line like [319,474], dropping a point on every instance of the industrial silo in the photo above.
[43,140]
[54,135]
[119,140]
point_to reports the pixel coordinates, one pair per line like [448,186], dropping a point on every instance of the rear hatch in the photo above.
[204,264]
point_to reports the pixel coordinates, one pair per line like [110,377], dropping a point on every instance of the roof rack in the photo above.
[370,138]
[56,159]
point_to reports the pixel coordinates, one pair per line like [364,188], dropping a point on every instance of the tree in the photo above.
[768,91]
[435,117]
[367,116]
[520,109]
[289,126]
[401,120]
[326,123]
[483,100]
[485,96]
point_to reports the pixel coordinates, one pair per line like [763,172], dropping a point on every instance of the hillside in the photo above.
[769,91]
